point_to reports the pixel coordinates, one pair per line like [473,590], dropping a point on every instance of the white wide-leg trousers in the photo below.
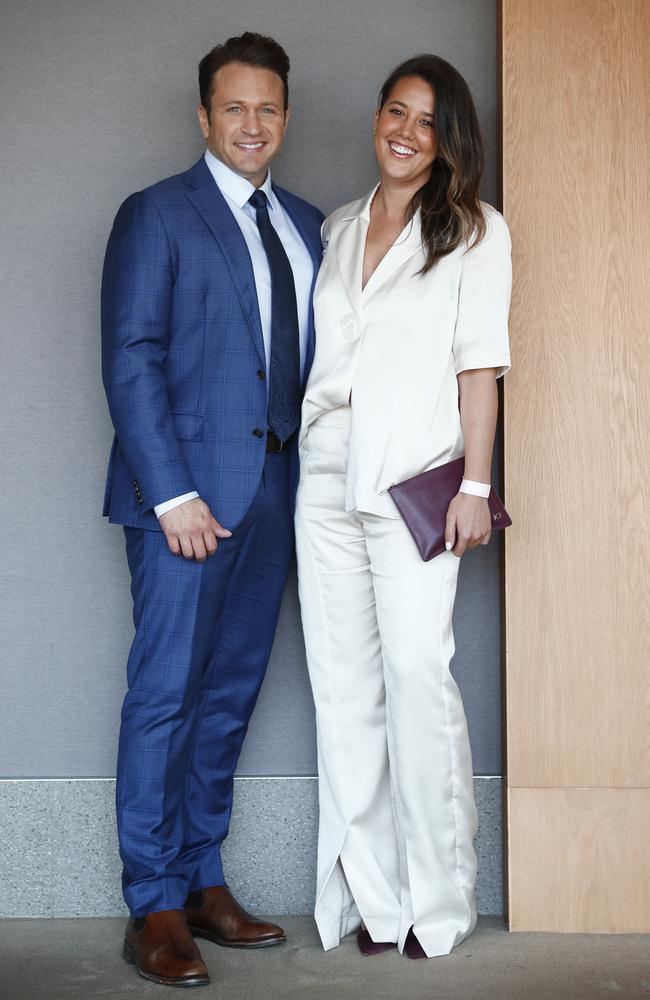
[397,812]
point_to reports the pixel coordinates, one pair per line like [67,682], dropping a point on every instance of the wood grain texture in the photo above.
[576,195]
[583,855]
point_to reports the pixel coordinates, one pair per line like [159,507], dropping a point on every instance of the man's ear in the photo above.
[204,121]
[287,116]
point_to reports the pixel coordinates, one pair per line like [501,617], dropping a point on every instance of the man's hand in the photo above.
[192,531]
[468,523]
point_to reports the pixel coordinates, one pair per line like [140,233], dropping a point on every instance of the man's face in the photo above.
[247,120]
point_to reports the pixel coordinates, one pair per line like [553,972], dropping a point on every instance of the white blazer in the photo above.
[398,345]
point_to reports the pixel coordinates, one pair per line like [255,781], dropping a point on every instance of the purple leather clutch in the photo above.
[423,501]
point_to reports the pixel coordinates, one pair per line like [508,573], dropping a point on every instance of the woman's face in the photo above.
[405,142]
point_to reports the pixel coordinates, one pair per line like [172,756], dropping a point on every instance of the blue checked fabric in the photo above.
[183,349]
[284,365]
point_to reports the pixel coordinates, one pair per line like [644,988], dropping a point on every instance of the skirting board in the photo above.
[59,856]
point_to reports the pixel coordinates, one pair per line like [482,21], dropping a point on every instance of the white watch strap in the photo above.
[475,489]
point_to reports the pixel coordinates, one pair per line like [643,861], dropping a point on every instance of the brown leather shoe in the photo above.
[163,950]
[215,914]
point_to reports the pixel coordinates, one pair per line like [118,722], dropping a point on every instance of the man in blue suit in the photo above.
[207,340]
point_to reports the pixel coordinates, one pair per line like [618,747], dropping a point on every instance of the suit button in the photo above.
[258,433]
[140,500]
[135,482]
[349,327]
[261,375]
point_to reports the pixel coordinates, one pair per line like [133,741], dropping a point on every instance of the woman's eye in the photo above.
[396,111]
[427,124]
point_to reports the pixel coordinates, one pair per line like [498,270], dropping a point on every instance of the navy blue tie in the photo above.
[284,364]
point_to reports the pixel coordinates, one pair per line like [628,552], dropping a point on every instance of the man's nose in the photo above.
[251,124]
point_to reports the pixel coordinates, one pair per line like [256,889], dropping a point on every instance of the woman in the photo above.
[411,311]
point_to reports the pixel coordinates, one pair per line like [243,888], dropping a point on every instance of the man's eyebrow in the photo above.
[239,100]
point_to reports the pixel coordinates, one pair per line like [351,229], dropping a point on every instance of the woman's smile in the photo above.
[400,150]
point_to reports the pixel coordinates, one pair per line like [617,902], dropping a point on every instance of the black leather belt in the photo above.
[273,443]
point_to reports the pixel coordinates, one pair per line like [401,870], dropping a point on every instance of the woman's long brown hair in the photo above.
[449,203]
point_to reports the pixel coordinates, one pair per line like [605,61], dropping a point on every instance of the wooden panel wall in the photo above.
[576,194]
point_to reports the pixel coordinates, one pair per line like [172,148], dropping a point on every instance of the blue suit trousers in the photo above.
[203,637]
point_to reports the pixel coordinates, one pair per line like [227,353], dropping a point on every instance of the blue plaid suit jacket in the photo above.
[182,350]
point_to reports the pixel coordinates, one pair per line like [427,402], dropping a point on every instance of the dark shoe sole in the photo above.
[129,956]
[368,947]
[197,932]
[412,947]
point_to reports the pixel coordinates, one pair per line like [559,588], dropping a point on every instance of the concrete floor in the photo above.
[80,960]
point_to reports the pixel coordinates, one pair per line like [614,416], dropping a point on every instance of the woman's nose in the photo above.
[407,129]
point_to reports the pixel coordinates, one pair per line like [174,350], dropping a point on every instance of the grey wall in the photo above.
[97,101]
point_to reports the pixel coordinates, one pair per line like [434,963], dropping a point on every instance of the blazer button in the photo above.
[135,482]
[258,433]
[261,375]
[140,500]
[349,327]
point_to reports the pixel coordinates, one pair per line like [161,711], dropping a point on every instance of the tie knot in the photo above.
[257,200]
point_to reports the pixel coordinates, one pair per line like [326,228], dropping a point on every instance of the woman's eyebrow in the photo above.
[403,105]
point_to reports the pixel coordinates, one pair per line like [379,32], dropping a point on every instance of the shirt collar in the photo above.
[236,187]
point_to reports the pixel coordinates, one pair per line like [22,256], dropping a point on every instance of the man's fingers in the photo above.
[186,546]
[210,542]
[198,545]
[220,531]
[174,544]
[486,538]
[195,540]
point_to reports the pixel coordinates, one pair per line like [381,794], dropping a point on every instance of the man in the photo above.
[207,341]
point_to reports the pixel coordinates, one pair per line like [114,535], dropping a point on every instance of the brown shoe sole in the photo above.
[129,956]
[198,932]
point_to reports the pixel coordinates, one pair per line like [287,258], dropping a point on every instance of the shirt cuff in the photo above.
[163,508]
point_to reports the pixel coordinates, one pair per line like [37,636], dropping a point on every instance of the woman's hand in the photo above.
[468,523]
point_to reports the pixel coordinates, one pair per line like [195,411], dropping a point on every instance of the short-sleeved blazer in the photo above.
[398,345]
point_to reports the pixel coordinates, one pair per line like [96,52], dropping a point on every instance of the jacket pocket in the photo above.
[188,426]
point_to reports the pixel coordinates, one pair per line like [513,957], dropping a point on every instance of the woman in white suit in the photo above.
[411,311]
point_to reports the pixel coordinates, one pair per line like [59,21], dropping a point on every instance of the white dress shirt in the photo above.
[237,190]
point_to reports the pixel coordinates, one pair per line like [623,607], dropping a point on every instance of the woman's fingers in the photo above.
[468,524]
[450,531]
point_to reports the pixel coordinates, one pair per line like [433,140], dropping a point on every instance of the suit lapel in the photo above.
[350,250]
[211,205]
[405,246]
